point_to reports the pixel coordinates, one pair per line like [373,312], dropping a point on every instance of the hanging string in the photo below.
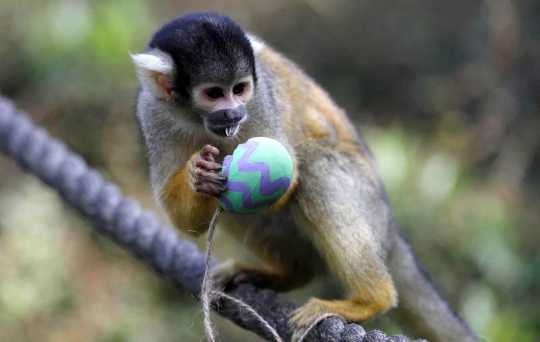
[209,295]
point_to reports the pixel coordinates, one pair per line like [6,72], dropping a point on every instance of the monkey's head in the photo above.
[201,67]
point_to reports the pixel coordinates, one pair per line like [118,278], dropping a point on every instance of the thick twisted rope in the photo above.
[140,232]
[209,294]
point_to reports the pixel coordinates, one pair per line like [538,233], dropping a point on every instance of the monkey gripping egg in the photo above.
[259,173]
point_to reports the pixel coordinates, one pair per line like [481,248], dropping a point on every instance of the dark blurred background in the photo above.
[446,93]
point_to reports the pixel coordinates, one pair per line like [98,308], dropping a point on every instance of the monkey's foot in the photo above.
[356,310]
[204,173]
[233,273]
[225,273]
[305,319]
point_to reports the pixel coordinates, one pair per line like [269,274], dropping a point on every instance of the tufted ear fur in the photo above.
[155,72]
[256,44]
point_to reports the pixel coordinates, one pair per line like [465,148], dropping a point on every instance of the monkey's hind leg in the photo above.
[286,255]
[352,310]
[337,206]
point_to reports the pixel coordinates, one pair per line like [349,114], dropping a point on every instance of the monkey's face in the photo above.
[201,69]
[223,105]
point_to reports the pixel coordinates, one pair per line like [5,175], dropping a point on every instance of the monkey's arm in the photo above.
[188,194]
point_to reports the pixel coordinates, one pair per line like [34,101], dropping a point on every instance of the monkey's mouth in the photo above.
[228,131]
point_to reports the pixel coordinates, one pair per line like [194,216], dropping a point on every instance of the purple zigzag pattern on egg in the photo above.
[268,187]
[246,196]
[228,204]
[227,165]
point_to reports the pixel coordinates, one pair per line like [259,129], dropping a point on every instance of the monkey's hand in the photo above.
[203,171]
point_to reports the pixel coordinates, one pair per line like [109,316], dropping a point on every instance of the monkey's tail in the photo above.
[421,307]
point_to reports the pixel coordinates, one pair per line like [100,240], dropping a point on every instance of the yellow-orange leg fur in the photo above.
[329,208]
[354,310]
[188,209]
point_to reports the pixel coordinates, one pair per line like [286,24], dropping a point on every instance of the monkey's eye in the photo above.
[214,93]
[238,89]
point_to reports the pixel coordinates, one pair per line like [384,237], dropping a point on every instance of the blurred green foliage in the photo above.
[446,94]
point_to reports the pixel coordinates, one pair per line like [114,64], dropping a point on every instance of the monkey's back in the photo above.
[308,113]
[307,106]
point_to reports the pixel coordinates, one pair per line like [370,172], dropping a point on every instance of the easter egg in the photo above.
[259,173]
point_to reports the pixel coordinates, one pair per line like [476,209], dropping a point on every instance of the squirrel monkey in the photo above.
[205,87]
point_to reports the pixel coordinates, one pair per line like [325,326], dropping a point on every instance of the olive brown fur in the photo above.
[138,231]
[334,222]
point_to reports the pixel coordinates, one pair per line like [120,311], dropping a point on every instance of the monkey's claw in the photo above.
[204,173]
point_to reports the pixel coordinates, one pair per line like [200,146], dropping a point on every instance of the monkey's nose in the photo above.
[226,117]
[225,122]
[234,115]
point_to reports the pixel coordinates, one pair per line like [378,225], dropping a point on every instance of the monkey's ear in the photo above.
[155,73]
[256,44]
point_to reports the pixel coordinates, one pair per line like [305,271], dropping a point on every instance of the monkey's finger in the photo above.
[208,152]
[208,182]
[213,177]
[210,189]
[207,165]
